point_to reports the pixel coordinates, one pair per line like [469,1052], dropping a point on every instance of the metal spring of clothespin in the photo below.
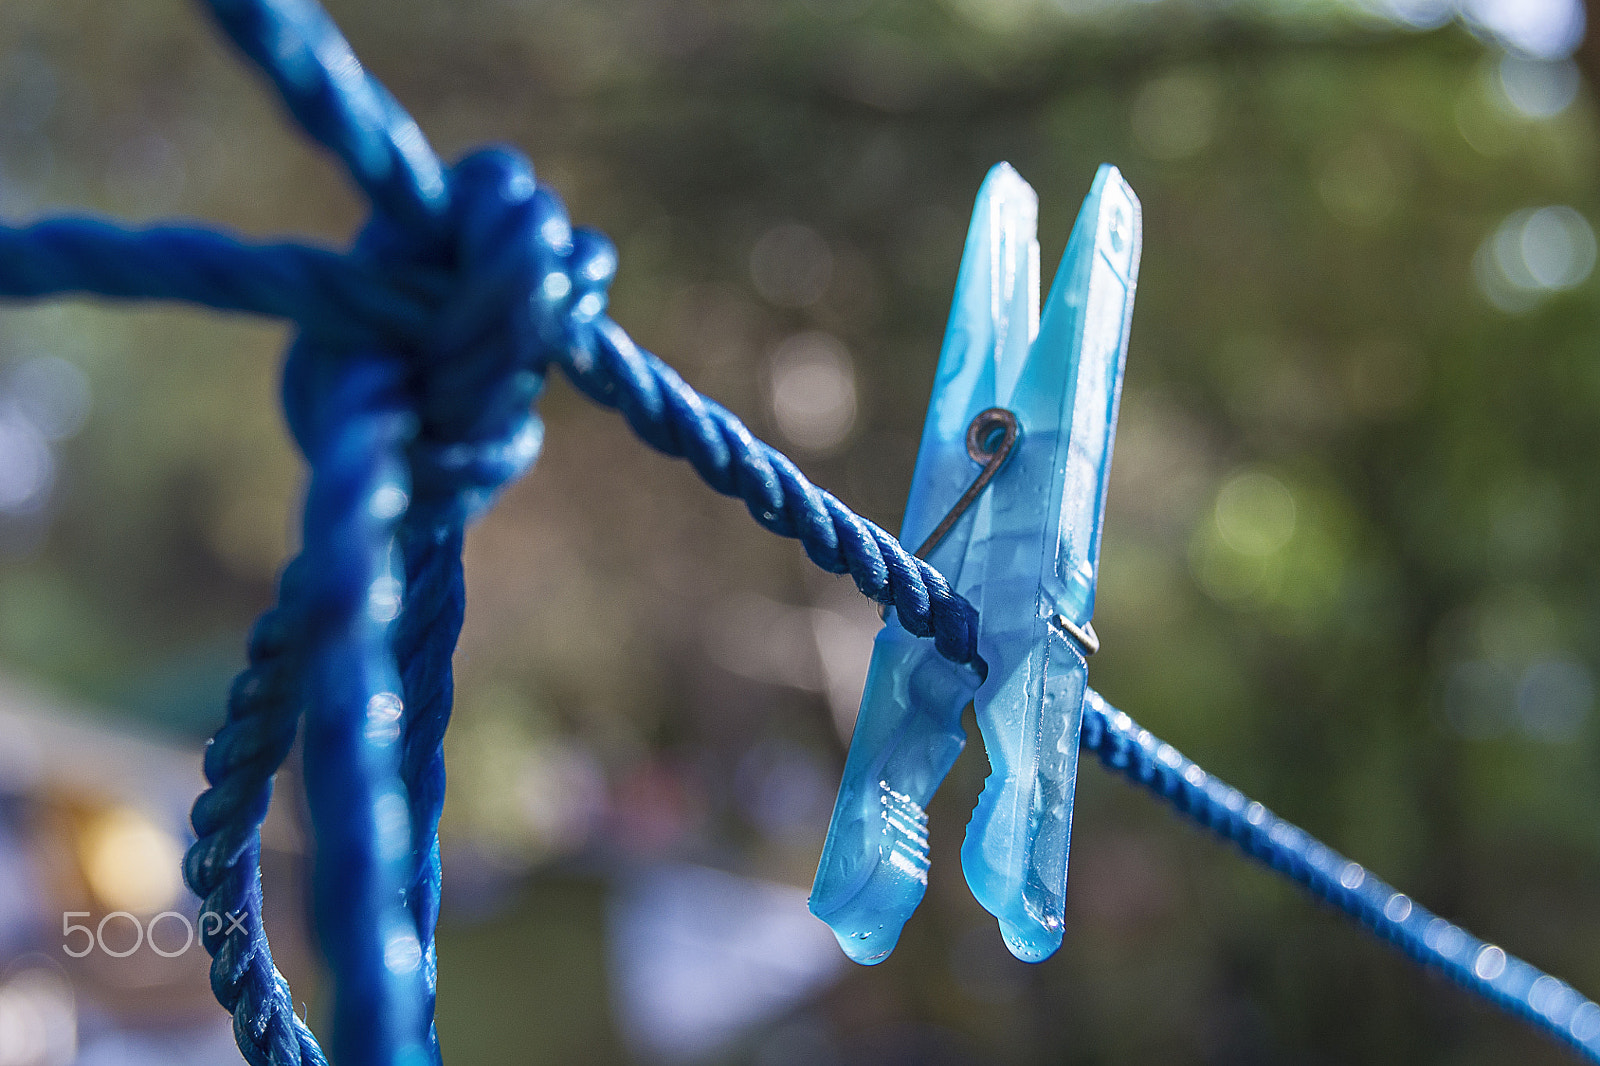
[985,448]
[990,437]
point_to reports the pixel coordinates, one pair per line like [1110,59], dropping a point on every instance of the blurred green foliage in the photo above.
[1349,564]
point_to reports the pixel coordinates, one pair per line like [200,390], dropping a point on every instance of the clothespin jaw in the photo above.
[874,867]
[1041,548]
[1025,555]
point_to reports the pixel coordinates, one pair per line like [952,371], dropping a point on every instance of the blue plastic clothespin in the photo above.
[1007,502]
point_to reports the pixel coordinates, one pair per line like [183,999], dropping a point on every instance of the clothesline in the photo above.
[409,388]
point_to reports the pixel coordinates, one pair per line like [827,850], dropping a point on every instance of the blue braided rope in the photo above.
[671,417]
[425,635]
[338,297]
[355,441]
[410,389]
[1546,1002]
[322,83]
[224,865]
[351,299]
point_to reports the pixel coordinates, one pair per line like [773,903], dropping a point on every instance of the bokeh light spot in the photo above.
[1536,88]
[1255,513]
[52,394]
[1554,699]
[813,391]
[402,954]
[1548,29]
[27,469]
[1175,115]
[130,863]
[1532,254]
[1557,247]
[1419,14]
[38,1020]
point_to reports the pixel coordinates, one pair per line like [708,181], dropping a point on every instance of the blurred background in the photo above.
[1350,560]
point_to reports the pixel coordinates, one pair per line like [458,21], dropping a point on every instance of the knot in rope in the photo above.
[514,287]
[409,435]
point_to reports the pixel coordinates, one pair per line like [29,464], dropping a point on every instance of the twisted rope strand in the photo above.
[338,105]
[223,866]
[336,297]
[672,418]
[425,635]
[1546,1002]
[355,440]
